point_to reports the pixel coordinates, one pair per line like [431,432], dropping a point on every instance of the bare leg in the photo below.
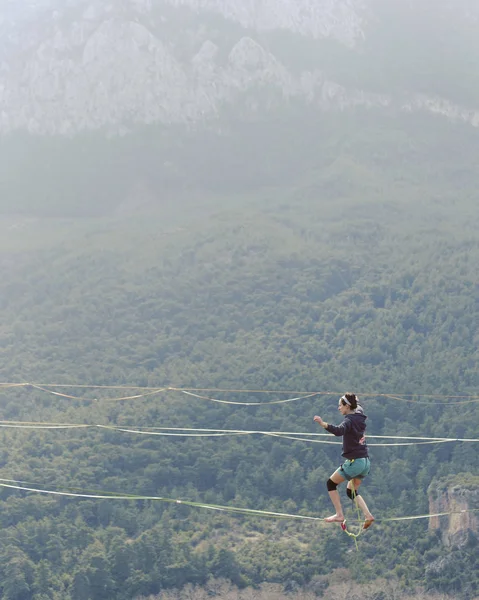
[335,499]
[360,502]
[338,517]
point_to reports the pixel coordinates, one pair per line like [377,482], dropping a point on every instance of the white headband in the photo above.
[348,402]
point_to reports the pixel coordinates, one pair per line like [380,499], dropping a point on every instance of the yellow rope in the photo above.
[344,527]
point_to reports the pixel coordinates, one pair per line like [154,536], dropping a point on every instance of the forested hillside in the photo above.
[291,153]
[356,272]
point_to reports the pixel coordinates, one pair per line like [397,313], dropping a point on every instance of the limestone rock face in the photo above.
[458,499]
[68,66]
[341,19]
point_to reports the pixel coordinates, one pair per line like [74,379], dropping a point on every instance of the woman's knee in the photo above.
[331,485]
[354,483]
[352,493]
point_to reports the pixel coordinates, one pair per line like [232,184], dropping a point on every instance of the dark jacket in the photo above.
[352,429]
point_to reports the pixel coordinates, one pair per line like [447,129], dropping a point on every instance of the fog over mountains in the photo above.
[68,66]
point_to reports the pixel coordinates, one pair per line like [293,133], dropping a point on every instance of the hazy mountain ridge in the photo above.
[341,19]
[90,64]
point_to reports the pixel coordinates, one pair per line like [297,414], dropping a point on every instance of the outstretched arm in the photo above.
[320,421]
[334,429]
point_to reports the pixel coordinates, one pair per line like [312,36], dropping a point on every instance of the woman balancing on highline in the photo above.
[355,451]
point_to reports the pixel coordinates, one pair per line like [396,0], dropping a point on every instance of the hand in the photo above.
[318,420]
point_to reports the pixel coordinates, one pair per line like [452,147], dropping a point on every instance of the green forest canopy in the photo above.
[359,274]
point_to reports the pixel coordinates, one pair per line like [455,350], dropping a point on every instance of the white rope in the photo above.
[249,403]
[198,432]
[70,397]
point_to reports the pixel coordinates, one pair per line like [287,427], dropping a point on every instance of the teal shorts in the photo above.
[355,468]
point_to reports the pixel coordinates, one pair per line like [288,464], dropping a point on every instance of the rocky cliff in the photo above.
[458,496]
[76,65]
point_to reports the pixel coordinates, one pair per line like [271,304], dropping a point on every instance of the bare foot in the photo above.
[334,519]
[368,522]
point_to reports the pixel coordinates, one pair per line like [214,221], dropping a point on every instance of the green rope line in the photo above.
[344,527]
[75,492]
[104,495]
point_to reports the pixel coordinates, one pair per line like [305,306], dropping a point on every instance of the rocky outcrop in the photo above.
[459,498]
[340,19]
[96,64]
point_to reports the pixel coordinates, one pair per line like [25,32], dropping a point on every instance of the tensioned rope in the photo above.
[133,397]
[280,435]
[197,432]
[13,484]
[249,403]
[471,399]
[299,395]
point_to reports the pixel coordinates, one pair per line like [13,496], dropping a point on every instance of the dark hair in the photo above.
[352,400]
